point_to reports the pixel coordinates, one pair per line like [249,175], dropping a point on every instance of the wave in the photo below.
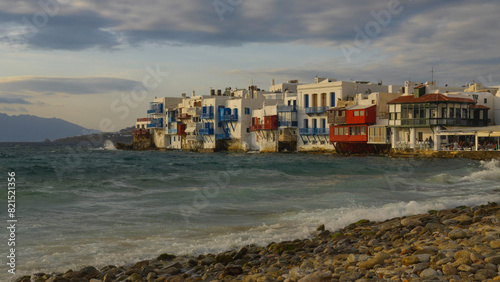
[490,171]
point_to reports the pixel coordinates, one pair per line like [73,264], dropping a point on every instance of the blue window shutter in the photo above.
[306,100]
[306,123]
[332,99]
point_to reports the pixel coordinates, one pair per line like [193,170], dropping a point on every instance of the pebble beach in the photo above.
[459,244]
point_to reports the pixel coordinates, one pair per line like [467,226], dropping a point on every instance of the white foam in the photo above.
[490,171]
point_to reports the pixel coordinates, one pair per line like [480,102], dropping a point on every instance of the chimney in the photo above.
[193,93]
[212,92]
[219,92]
[273,81]
[184,95]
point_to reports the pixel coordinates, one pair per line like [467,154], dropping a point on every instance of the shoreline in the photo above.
[456,244]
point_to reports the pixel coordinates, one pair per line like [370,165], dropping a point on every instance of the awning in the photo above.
[190,129]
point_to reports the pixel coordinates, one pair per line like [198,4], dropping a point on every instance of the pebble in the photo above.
[459,244]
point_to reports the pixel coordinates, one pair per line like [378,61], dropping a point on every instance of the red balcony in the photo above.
[144,119]
[181,129]
[140,132]
[349,134]
[184,116]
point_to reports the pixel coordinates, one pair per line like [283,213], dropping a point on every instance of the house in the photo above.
[158,114]
[349,128]
[315,99]
[413,119]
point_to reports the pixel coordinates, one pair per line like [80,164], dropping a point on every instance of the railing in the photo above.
[155,123]
[156,109]
[172,131]
[183,116]
[140,131]
[222,136]
[193,138]
[306,131]
[287,123]
[144,119]
[285,108]
[255,127]
[206,131]
[231,117]
[322,131]
[207,115]
[337,120]
[440,121]
[316,110]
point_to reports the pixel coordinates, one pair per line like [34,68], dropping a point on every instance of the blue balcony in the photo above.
[322,131]
[171,119]
[207,115]
[206,131]
[222,136]
[306,131]
[232,117]
[285,108]
[287,123]
[316,110]
[155,108]
[155,123]
[172,131]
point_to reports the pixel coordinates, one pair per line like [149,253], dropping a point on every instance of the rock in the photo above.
[495,244]
[423,257]
[493,260]
[449,269]
[140,265]
[240,253]
[462,255]
[411,222]
[233,270]
[151,276]
[350,276]
[207,261]
[296,273]
[410,260]
[466,268]
[171,271]
[429,272]
[321,228]
[165,257]
[135,278]
[449,246]
[224,258]
[457,233]
[484,274]
[432,226]
[318,276]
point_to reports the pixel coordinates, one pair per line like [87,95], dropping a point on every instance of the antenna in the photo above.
[432,71]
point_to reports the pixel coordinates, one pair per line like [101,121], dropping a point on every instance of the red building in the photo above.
[349,128]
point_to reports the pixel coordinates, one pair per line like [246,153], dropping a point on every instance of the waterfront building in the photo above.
[413,119]
[158,113]
[315,99]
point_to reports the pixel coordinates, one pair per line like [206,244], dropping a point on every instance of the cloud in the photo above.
[14,100]
[64,85]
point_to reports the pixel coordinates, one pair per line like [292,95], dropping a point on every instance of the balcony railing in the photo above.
[314,131]
[287,123]
[172,131]
[316,110]
[144,119]
[184,116]
[155,123]
[306,131]
[255,127]
[285,108]
[232,117]
[156,108]
[322,131]
[222,136]
[206,131]
[140,131]
[337,120]
[442,121]
[207,115]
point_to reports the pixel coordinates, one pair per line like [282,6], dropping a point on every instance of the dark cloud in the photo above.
[14,100]
[66,85]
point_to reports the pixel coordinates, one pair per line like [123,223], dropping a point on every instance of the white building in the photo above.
[313,102]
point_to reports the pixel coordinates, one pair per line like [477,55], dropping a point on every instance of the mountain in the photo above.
[28,128]
[99,139]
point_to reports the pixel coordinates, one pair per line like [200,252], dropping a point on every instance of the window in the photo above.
[336,131]
[306,100]
[362,130]
[247,111]
[485,100]
[248,129]
[452,112]
[306,123]
[362,113]
[346,130]
[356,113]
[332,99]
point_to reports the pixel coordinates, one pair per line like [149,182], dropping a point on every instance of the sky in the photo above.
[100,63]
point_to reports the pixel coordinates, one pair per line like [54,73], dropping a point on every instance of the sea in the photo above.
[81,205]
